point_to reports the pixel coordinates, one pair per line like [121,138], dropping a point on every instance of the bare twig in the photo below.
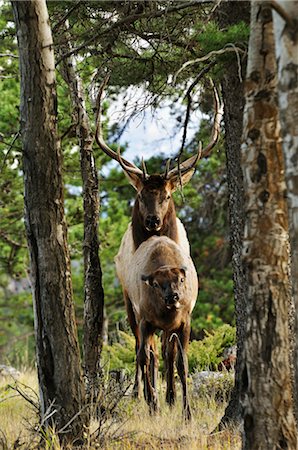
[189,101]
[64,428]
[127,21]
[11,145]
[8,55]
[66,15]
[183,353]
[228,48]
[10,241]
[25,396]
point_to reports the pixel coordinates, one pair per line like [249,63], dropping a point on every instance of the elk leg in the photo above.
[169,358]
[182,366]
[146,331]
[135,329]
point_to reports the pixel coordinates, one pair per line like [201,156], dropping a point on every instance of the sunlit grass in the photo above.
[130,427]
[17,415]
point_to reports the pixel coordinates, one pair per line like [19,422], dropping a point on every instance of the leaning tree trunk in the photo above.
[286,46]
[230,13]
[57,350]
[94,294]
[268,405]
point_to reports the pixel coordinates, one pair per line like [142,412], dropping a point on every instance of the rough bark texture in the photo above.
[233,96]
[57,350]
[286,45]
[268,405]
[94,295]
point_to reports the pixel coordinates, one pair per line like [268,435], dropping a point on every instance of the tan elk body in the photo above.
[156,262]
[162,285]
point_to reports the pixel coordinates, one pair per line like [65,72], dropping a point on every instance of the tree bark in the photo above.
[268,405]
[233,96]
[94,294]
[286,45]
[57,350]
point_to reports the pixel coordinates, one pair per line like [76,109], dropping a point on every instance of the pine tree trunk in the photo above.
[268,405]
[94,294]
[57,350]
[233,96]
[286,45]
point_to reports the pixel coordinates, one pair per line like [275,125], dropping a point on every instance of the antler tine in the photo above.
[166,174]
[191,162]
[99,134]
[123,164]
[144,169]
[216,125]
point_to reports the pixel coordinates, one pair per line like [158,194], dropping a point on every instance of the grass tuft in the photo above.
[128,426]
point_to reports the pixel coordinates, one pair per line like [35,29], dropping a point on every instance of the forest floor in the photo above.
[129,426]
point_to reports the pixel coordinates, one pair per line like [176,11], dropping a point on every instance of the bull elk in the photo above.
[153,215]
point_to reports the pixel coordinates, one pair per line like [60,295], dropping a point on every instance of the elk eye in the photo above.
[182,280]
[154,284]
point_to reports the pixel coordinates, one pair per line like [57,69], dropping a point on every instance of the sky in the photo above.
[151,132]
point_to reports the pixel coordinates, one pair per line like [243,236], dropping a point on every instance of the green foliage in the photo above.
[211,37]
[202,355]
[215,386]
[120,355]
[16,328]
[142,51]
[207,353]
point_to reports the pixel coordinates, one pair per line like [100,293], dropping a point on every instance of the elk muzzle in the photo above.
[172,300]
[152,223]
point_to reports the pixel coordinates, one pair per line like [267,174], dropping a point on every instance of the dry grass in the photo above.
[17,415]
[130,427]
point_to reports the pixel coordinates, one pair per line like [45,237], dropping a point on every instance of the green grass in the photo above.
[130,426]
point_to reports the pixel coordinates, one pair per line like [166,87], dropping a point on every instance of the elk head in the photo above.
[154,207]
[168,284]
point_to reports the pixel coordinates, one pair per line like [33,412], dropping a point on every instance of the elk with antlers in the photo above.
[153,215]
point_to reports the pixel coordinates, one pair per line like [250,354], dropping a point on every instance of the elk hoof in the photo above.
[170,398]
[136,391]
[187,414]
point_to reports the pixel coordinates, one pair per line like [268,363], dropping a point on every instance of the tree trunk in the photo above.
[57,350]
[286,45]
[231,13]
[94,295]
[268,405]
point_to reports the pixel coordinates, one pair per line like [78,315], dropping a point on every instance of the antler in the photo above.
[132,169]
[192,161]
[126,165]
[186,166]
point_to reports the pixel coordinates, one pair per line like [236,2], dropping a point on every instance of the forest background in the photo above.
[142,57]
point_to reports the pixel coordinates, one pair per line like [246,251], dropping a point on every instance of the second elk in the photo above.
[162,285]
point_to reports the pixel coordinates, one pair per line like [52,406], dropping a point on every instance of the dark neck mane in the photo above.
[169,228]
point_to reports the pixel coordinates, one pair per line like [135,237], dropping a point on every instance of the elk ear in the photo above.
[183,270]
[134,180]
[185,177]
[147,279]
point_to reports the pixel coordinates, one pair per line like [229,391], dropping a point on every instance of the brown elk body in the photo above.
[162,285]
[154,215]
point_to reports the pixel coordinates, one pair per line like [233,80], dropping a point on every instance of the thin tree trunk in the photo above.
[233,96]
[94,294]
[57,350]
[268,405]
[286,45]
